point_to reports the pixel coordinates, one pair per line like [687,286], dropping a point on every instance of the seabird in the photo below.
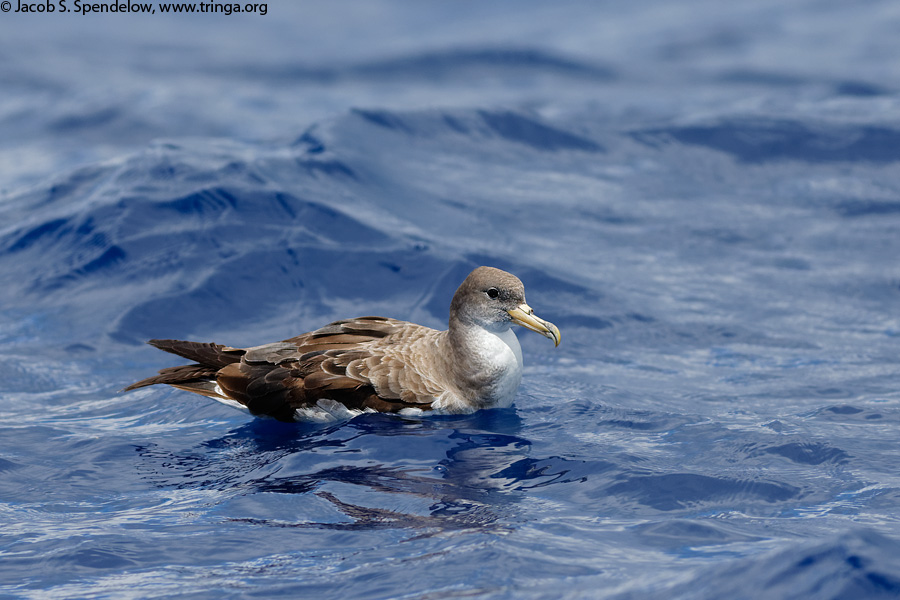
[374,364]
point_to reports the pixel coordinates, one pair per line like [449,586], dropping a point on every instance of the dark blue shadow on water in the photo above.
[858,564]
[758,140]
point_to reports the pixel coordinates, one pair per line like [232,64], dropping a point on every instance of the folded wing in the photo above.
[353,362]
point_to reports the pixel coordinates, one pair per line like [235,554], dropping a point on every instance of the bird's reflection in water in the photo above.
[469,469]
[471,516]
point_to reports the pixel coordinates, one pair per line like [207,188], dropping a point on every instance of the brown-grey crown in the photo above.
[487,294]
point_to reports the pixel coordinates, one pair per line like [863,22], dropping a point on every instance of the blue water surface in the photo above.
[703,196]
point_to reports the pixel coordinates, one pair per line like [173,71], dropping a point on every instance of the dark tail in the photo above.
[210,355]
[177,376]
[209,358]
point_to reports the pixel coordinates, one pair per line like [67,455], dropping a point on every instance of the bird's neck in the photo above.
[487,363]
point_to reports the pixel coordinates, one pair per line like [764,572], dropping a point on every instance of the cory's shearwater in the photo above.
[374,364]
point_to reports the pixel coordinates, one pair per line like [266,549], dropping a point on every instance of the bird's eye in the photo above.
[493,293]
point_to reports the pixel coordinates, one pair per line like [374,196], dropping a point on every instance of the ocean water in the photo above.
[703,196]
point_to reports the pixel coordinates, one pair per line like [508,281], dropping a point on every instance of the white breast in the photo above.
[497,358]
[508,362]
[510,356]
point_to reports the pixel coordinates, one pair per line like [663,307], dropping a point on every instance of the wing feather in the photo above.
[358,363]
